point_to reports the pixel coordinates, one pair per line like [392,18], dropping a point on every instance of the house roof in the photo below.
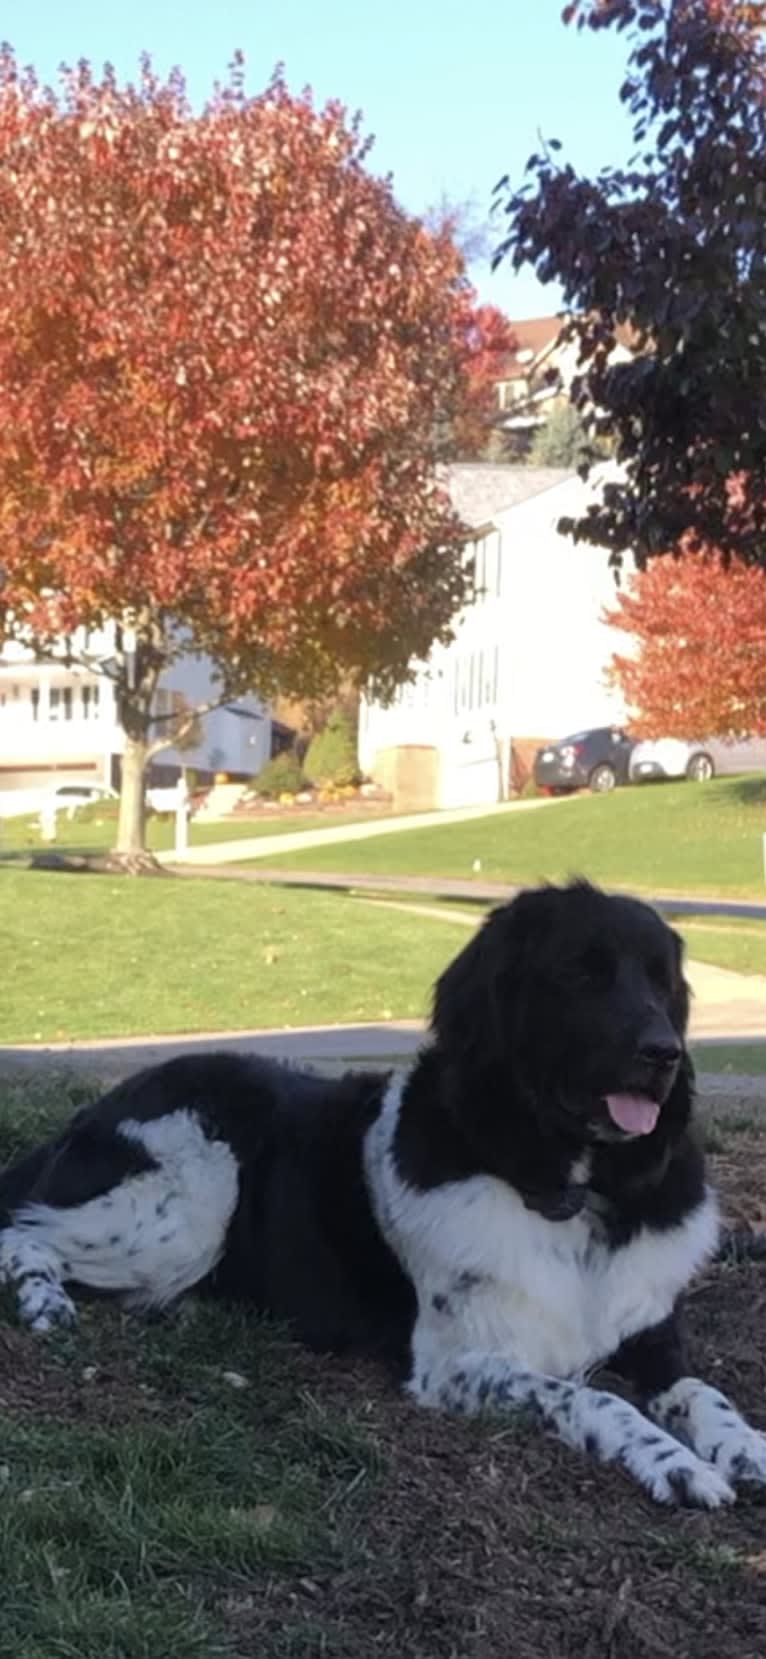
[539,335]
[533,334]
[479,489]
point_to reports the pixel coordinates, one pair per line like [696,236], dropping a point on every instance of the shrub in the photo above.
[331,754]
[280,776]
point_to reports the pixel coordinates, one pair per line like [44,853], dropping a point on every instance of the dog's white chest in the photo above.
[495,1277]
[551,1294]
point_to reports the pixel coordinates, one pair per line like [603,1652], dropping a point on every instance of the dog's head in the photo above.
[571,1004]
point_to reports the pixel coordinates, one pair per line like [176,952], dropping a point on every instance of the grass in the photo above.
[199,1487]
[734,1059]
[102,956]
[141,1491]
[727,943]
[96,956]
[738,943]
[94,829]
[673,838]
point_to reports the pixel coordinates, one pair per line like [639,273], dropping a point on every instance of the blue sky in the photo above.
[455,91]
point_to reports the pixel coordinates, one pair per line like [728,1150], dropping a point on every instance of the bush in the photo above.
[563,441]
[280,776]
[331,754]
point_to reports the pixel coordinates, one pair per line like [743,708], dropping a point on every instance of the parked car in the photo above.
[80,794]
[69,797]
[672,757]
[597,759]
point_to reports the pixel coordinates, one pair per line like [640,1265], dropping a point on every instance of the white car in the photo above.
[672,757]
[80,794]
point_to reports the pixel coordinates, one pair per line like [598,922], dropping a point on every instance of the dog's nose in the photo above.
[660,1051]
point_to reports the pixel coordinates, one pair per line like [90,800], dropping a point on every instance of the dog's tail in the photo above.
[741,1244]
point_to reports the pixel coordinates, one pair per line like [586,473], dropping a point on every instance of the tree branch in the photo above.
[185,723]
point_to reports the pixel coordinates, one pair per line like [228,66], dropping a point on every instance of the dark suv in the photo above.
[597,759]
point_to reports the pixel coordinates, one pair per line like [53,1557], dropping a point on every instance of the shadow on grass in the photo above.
[741,792]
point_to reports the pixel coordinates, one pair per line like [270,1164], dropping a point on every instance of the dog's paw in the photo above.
[44,1306]
[740,1456]
[713,1426]
[685,1480]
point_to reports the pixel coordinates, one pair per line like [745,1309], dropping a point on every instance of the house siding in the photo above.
[62,721]
[529,653]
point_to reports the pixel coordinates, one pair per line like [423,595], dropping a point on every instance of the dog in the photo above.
[523,1206]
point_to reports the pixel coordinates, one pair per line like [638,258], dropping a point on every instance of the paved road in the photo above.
[475,891]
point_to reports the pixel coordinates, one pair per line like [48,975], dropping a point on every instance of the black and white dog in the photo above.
[526,1203]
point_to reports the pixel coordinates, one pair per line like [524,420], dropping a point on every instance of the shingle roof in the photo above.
[531,334]
[478,489]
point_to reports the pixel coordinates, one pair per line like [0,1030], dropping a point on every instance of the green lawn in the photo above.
[678,838]
[740,944]
[725,941]
[745,1059]
[96,956]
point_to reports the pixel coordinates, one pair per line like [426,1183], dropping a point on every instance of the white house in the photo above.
[538,374]
[59,722]
[527,662]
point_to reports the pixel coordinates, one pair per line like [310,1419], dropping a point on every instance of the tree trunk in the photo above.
[131,827]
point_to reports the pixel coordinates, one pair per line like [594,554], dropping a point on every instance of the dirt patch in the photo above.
[487,1540]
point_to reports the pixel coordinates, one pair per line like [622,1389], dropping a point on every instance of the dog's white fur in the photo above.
[150,1239]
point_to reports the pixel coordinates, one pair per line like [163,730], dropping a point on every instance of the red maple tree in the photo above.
[487,339]
[699,631]
[226,356]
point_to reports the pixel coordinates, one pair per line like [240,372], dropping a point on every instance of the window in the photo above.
[35,696]
[90,697]
[512,392]
[476,683]
[484,561]
[60,702]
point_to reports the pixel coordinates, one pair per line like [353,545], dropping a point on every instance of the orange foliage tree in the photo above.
[699,631]
[487,339]
[226,356]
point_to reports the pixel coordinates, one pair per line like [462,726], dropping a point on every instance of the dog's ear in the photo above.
[476,998]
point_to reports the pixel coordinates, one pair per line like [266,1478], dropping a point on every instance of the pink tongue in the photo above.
[634,1113]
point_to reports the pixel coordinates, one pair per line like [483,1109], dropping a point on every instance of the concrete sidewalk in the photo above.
[292,841]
